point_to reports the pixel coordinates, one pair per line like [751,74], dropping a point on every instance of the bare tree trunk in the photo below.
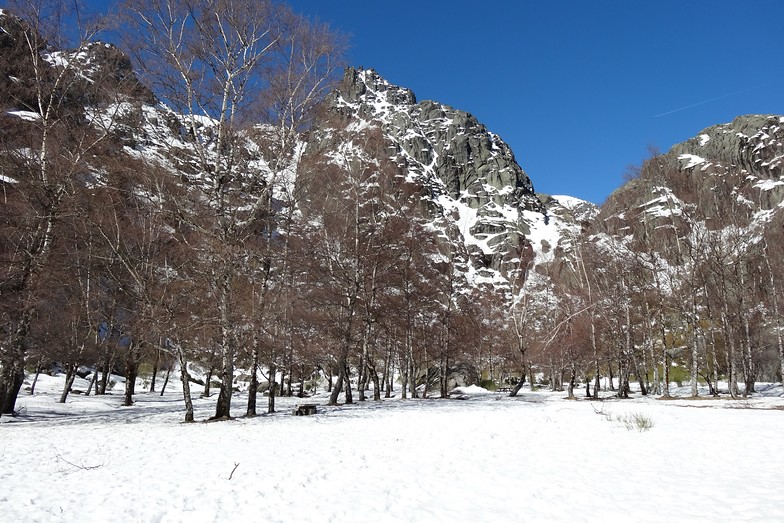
[443,365]
[347,384]
[657,389]
[155,365]
[643,365]
[301,393]
[207,384]
[404,377]
[376,385]
[70,376]
[289,358]
[426,366]
[362,377]
[103,383]
[750,371]
[389,370]
[572,382]
[730,354]
[412,377]
[611,378]
[694,363]
[11,384]
[640,376]
[667,358]
[519,385]
[695,325]
[223,284]
[12,371]
[714,350]
[338,387]
[106,370]
[93,380]
[273,385]
[623,376]
[665,353]
[412,380]
[253,386]
[385,374]
[370,367]
[596,370]
[253,390]
[131,370]
[38,373]
[627,352]
[186,383]
[168,373]
[165,381]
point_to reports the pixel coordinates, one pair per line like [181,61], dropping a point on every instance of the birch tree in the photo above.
[47,157]
[220,65]
[774,291]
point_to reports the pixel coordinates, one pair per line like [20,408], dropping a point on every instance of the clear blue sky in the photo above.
[579,89]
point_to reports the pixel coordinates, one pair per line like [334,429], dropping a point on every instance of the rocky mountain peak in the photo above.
[437,141]
[368,87]
[100,69]
[469,175]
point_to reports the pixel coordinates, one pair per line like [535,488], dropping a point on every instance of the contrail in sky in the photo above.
[711,100]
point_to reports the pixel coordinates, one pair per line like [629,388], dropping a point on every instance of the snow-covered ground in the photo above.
[486,458]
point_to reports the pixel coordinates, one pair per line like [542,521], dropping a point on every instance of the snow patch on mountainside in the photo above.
[767,185]
[691,160]
[663,206]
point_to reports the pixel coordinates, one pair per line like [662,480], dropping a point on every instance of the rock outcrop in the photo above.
[742,161]
[728,177]
[751,143]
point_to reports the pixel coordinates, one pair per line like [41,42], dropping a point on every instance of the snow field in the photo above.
[486,458]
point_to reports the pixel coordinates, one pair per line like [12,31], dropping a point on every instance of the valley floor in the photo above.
[487,458]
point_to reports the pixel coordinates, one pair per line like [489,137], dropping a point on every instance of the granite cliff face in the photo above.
[433,139]
[468,174]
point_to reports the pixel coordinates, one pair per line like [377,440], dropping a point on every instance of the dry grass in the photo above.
[636,420]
